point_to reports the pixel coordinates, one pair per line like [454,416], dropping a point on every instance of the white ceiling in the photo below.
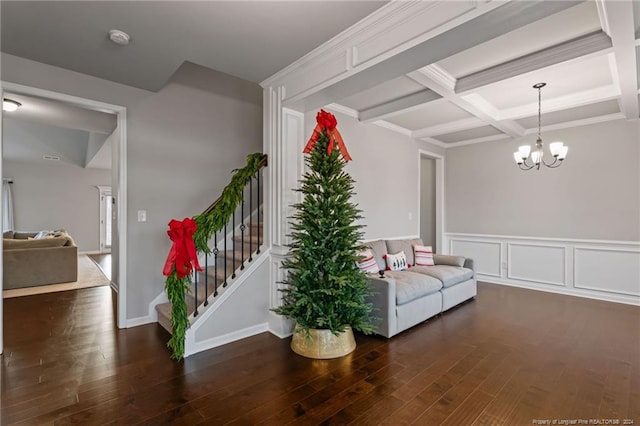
[588,54]
[247,39]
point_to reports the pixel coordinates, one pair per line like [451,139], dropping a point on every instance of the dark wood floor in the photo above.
[507,358]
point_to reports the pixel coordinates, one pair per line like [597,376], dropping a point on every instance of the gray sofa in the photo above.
[32,262]
[402,299]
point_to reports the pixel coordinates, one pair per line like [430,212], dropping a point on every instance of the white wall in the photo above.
[573,230]
[385,169]
[183,143]
[48,196]
[594,195]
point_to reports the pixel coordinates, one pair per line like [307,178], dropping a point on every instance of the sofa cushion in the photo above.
[411,286]
[379,248]
[396,246]
[445,259]
[10,244]
[7,234]
[449,275]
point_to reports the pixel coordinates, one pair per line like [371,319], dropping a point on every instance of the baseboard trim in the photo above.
[280,335]
[135,322]
[616,298]
[224,339]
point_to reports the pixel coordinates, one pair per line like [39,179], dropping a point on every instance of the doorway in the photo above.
[118,207]
[431,194]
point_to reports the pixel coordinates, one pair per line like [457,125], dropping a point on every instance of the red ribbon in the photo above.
[183,252]
[327,122]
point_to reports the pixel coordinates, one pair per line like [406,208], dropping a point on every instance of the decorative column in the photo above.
[283,142]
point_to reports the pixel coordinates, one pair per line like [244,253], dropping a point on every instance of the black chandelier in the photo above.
[527,159]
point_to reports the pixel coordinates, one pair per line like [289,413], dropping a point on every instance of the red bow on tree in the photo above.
[327,121]
[183,252]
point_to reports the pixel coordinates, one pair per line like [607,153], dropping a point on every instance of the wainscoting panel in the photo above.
[539,263]
[597,269]
[485,254]
[621,275]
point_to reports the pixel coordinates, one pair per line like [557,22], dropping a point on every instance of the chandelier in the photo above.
[527,159]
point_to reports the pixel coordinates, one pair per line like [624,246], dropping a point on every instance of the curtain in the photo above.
[7,206]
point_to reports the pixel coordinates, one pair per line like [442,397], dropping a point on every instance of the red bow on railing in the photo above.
[327,121]
[183,252]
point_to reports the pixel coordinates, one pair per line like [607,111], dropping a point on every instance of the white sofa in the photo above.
[402,299]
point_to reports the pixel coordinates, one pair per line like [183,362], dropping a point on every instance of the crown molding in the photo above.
[478,140]
[394,127]
[454,126]
[343,109]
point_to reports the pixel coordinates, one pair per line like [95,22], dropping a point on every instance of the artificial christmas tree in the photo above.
[326,293]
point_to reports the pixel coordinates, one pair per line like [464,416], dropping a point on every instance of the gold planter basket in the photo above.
[323,344]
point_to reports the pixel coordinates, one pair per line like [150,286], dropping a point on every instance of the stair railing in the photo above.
[214,220]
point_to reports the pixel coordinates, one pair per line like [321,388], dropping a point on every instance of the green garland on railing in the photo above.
[209,222]
[176,289]
[213,221]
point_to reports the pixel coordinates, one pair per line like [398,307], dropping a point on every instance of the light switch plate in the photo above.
[142,215]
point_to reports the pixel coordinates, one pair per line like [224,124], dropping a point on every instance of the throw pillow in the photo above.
[368,263]
[423,255]
[396,262]
[43,234]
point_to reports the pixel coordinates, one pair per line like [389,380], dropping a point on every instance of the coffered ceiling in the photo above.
[588,54]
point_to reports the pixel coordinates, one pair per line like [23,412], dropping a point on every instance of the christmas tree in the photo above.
[326,289]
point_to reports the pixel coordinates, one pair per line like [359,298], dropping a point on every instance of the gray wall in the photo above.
[428,201]
[385,168]
[594,195]
[49,196]
[182,144]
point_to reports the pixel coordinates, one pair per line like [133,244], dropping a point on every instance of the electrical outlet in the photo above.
[410,216]
[142,215]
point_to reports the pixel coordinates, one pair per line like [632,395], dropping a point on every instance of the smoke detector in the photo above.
[119,37]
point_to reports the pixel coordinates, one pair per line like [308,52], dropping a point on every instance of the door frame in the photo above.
[119,180]
[439,163]
[104,191]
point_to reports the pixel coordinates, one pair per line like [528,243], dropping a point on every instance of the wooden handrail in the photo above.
[263,163]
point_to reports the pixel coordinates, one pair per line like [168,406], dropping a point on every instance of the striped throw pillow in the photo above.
[396,262]
[367,264]
[423,255]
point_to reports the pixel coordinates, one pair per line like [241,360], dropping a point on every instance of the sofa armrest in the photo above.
[469,264]
[383,299]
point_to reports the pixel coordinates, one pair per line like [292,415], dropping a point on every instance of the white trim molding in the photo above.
[597,269]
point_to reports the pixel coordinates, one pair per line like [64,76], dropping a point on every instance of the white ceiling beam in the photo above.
[398,106]
[578,47]
[488,21]
[454,126]
[616,18]
[438,80]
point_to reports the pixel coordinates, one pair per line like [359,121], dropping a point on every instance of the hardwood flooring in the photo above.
[510,357]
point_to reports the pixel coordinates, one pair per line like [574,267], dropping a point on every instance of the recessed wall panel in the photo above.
[536,262]
[486,255]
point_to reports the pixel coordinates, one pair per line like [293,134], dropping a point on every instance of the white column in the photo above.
[283,143]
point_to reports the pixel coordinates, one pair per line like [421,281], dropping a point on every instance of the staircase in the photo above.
[232,229]
[217,282]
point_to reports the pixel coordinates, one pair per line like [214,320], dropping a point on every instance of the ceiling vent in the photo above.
[51,157]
